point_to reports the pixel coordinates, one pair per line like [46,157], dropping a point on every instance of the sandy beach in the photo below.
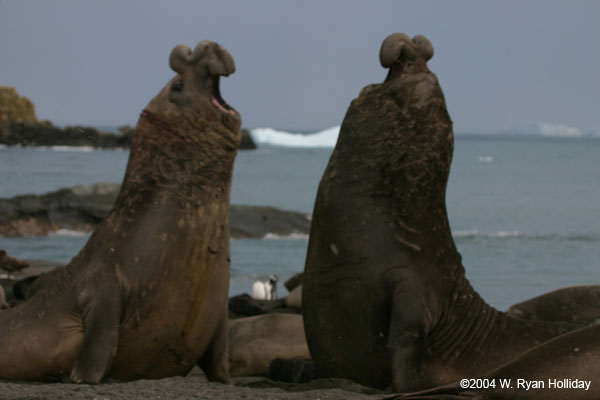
[193,386]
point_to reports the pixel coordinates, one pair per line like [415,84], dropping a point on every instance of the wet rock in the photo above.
[81,208]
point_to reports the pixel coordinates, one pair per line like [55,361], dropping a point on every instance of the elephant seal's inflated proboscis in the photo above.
[147,295]
[385,297]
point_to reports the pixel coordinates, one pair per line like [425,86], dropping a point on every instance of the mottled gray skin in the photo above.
[147,295]
[575,303]
[574,355]
[385,297]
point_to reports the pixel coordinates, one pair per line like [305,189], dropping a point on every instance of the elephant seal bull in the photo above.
[385,297]
[147,295]
[566,367]
[574,303]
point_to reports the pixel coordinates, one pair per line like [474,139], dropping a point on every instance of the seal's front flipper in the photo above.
[215,360]
[295,370]
[406,337]
[101,316]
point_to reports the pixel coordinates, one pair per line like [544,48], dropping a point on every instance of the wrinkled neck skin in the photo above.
[405,128]
[177,183]
[178,159]
[409,159]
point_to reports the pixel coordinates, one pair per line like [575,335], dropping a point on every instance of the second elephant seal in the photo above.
[385,297]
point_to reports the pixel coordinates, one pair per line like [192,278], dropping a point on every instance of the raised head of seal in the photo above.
[147,295]
[385,297]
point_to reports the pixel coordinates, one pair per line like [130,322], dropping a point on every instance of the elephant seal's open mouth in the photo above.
[217,99]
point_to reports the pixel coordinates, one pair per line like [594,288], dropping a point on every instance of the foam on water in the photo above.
[272,137]
[68,232]
[476,234]
[295,235]
[76,149]
[85,149]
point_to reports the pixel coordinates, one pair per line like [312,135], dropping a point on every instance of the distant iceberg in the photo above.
[545,129]
[272,137]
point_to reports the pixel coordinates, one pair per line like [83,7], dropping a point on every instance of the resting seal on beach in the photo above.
[147,295]
[256,341]
[566,367]
[574,303]
[385,297]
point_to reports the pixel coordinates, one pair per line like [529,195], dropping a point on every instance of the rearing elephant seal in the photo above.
[385,298]
[147,295]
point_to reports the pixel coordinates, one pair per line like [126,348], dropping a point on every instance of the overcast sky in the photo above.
[300,63]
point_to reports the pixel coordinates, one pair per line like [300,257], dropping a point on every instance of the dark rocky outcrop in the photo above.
[81,208]
[247,142]
[46,134]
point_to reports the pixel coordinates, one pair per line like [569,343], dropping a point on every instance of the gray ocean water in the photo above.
[525,211]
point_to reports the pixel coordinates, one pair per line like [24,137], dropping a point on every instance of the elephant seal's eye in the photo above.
[177,86]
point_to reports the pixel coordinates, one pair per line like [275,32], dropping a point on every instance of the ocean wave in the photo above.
[81,149]
[476,234]
[84,149]
[272,137]
[473,233]
[68,232]
[294,235]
